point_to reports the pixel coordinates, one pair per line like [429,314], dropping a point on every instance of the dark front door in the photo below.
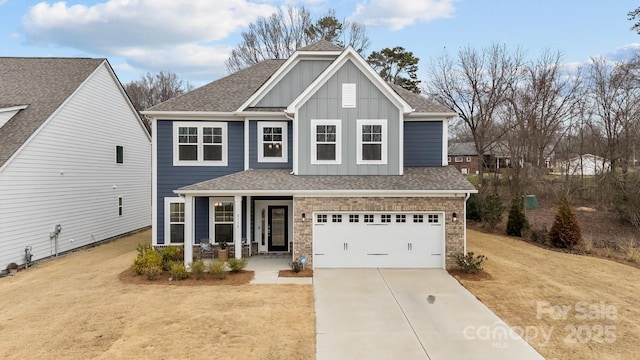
[277,228]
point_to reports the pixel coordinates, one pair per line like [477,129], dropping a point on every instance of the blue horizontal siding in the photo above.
[423,143]
[171,177]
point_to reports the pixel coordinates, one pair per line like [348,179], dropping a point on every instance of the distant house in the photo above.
[74,157]
[587,164]
[463,156]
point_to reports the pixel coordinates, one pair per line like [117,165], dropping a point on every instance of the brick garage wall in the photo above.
[303,230]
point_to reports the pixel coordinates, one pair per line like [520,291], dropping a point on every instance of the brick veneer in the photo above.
[302,230]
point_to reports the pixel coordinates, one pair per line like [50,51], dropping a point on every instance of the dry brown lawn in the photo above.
[589,306]
[76,307]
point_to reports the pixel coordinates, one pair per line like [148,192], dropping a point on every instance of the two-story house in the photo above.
[315,155]
[74,158]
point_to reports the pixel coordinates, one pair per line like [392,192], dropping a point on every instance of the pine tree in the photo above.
[565,232]
[492,210]
[517,221]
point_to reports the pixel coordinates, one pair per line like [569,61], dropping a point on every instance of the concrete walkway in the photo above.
[406,314]
[266,269]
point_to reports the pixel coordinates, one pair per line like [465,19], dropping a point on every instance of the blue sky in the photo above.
[193,38]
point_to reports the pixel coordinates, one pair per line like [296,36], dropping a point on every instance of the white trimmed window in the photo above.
[372,142]
[458,158]
[222,224]
[200,143]
[272,141]
[174,220]
[348,95]
[326,141]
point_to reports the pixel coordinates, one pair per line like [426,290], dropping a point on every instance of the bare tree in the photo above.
[541,109]
[153,89]
[476,85]
[279,35]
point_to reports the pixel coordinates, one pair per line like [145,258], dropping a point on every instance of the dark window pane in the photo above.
[213,153]
[177,233]
[188,152]
[224,232]
[326,152]
[331,129]
[371,152]
[119,154]
[321,137]
[272,150]
[366,137]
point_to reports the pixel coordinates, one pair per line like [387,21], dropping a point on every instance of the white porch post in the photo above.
[237,225]
[248,216]
[188,230]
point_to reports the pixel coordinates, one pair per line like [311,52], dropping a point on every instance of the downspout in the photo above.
[294,161]
[464,219]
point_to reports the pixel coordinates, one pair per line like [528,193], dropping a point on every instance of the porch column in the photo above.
[188,231]
[248,216]
[237,225]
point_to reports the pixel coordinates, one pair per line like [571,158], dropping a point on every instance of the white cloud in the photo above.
[625,52]
[396,15]
[150,34]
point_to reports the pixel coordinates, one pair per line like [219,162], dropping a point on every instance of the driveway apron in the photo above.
[406,314]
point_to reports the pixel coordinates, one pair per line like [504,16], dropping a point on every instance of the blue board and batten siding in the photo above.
[371,103]
[423,143]
[253,149]
[171,177]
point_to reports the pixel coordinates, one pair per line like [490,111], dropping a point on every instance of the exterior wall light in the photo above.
[454,217]
[304,217]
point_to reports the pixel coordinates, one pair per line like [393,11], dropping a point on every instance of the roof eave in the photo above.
[339,193]
[432,115]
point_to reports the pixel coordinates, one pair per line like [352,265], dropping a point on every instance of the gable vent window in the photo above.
[348,95]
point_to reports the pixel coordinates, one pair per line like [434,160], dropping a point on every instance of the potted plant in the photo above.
[12,268]
[223,252]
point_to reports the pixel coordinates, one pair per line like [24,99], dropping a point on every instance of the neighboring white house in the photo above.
[586,164]
[74,156]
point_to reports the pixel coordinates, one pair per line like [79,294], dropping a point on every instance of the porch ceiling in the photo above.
[415,180]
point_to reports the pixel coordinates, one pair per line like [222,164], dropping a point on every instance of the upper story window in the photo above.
[326,141]
[372,142]
[272,141]
[119,154]
[200,143]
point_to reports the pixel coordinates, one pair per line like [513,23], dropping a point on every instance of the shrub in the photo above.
[197,269]
[237,265]
[492,210]
[517,222]
[148,262]
[171,254]
[296,266]
[178,271]
[469,263]
[540,235]
[565,231]
[631,252]
[218,269]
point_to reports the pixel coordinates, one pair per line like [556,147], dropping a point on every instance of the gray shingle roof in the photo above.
[465,148]
[226,94]
[43,84]
[322,45]
[427,179]
[418,102]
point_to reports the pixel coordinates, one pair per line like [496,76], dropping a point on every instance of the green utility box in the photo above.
[530,202]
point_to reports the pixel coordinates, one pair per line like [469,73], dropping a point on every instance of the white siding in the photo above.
[67,174]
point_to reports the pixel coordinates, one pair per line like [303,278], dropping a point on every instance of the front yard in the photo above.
[586,307]
[75,307]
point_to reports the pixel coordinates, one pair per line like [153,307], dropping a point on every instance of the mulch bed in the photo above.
[289,273]
[241,278]
[461,275]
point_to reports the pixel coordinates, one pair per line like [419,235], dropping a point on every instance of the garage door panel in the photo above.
[379,244]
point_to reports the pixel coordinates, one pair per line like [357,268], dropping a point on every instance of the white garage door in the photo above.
[387,240]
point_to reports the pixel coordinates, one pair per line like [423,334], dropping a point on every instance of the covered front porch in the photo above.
[247,224]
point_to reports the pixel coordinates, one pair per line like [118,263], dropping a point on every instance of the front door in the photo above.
[277,228]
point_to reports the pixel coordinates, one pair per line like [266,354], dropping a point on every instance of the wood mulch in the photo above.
[308,272]
[241,278]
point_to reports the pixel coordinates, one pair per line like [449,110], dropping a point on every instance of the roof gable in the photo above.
[349,54]
[43,84]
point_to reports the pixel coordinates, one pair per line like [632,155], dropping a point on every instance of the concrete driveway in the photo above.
[387,314]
